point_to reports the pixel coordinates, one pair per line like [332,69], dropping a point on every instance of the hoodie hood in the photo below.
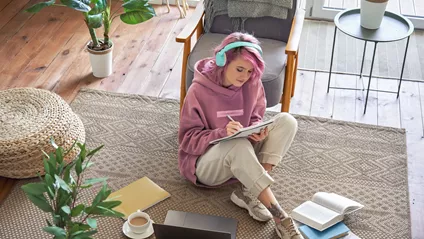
[202,79]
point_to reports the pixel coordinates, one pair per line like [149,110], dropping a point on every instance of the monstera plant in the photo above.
[59,194]
[96,14]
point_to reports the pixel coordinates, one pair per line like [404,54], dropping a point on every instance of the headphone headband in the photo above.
[221,57]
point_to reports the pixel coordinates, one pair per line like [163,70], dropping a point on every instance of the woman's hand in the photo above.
[259,137]
[232,127]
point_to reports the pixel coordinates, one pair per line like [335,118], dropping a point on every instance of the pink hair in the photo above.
[216,73]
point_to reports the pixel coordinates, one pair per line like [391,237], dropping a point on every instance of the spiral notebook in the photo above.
[139,195]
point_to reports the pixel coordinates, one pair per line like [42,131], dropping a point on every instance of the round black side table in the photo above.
[394,27]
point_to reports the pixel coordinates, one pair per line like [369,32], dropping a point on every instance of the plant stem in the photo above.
[93,37]
[92,32]
[59,5]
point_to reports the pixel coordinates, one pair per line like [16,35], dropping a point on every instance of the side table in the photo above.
[394,27]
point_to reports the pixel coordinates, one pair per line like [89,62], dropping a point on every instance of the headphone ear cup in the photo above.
[220,59]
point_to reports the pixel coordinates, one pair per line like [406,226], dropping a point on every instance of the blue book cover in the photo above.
[333,232]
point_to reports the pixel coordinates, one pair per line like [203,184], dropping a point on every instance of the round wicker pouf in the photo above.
[29,118]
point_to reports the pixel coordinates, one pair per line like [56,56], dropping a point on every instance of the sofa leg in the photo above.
[294,74]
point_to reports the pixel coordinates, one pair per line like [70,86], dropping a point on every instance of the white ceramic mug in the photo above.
[138,229]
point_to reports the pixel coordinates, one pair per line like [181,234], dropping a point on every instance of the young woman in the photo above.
[229,84]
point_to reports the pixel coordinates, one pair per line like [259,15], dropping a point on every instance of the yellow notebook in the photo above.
[139,195]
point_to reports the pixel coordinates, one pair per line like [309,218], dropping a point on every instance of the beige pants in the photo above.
[241,159]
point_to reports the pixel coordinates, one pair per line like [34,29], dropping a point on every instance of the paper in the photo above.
[245,132]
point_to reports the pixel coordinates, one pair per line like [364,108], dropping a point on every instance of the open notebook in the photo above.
[324,210]
[245,132]
[139,195]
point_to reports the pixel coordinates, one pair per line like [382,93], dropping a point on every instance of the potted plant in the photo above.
[96,14]
[372,13]
[59,191]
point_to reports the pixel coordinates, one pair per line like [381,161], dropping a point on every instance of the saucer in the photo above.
[130,234]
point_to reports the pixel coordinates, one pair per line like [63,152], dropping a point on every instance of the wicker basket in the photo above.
[29,117]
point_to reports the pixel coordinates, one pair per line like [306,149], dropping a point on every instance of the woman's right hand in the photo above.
[232,127]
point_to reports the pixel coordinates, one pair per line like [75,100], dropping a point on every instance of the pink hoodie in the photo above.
[204,115]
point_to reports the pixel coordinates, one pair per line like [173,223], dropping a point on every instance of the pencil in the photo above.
[229,117]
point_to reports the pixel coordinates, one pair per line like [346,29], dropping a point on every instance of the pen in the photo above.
[229,117]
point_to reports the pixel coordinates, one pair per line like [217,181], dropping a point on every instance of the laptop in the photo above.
[193,226]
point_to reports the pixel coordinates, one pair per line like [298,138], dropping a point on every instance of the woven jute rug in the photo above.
[362,162]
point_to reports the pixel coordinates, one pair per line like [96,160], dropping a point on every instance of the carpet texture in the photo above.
[362,162]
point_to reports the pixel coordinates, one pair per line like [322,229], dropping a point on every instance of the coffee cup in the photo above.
[139,222]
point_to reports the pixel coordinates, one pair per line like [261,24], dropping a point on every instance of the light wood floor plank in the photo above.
[370,117]
[322,102]
[10,10]
[155,81]
[388,105]
[344,100]
[302,99]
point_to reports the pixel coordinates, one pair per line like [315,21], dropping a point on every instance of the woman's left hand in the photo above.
[259,137]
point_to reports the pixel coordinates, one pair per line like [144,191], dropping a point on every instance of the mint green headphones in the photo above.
[221,58]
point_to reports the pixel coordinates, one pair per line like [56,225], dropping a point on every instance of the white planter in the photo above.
[372,12]
[101,62]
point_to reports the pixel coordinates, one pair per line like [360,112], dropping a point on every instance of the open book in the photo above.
[245,132]
[324,210]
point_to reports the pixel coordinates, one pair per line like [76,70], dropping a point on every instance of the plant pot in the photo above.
[101,61]
[372,13]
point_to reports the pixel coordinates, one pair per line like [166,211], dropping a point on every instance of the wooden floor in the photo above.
[47,51]
[405,7]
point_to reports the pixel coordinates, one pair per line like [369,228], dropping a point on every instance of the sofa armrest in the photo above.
[295,32]
[191,26]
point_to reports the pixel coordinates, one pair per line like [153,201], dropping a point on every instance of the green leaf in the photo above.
[135,5]
[63,185]
[63,197]
[137,16]
[100,195]
[57,231]
[94,180]
[50,193]
[37,7]
[110,204]
[70,149]
[67,174]
[99,7]
[95,21]
[47,167]
[66,209]
[78,166]
[34,188]
[78,5]
[40,201]
[76,211]
[86,186]
[83,235]
[94,151]
[88,164]
[92,223]
[59,155]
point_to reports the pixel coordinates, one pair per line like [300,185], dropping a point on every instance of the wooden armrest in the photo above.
[190,27]
[295,32]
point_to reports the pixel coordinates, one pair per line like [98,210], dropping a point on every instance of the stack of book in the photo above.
[323,215]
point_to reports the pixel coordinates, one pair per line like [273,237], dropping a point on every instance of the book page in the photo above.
[315,215]
[335,202]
